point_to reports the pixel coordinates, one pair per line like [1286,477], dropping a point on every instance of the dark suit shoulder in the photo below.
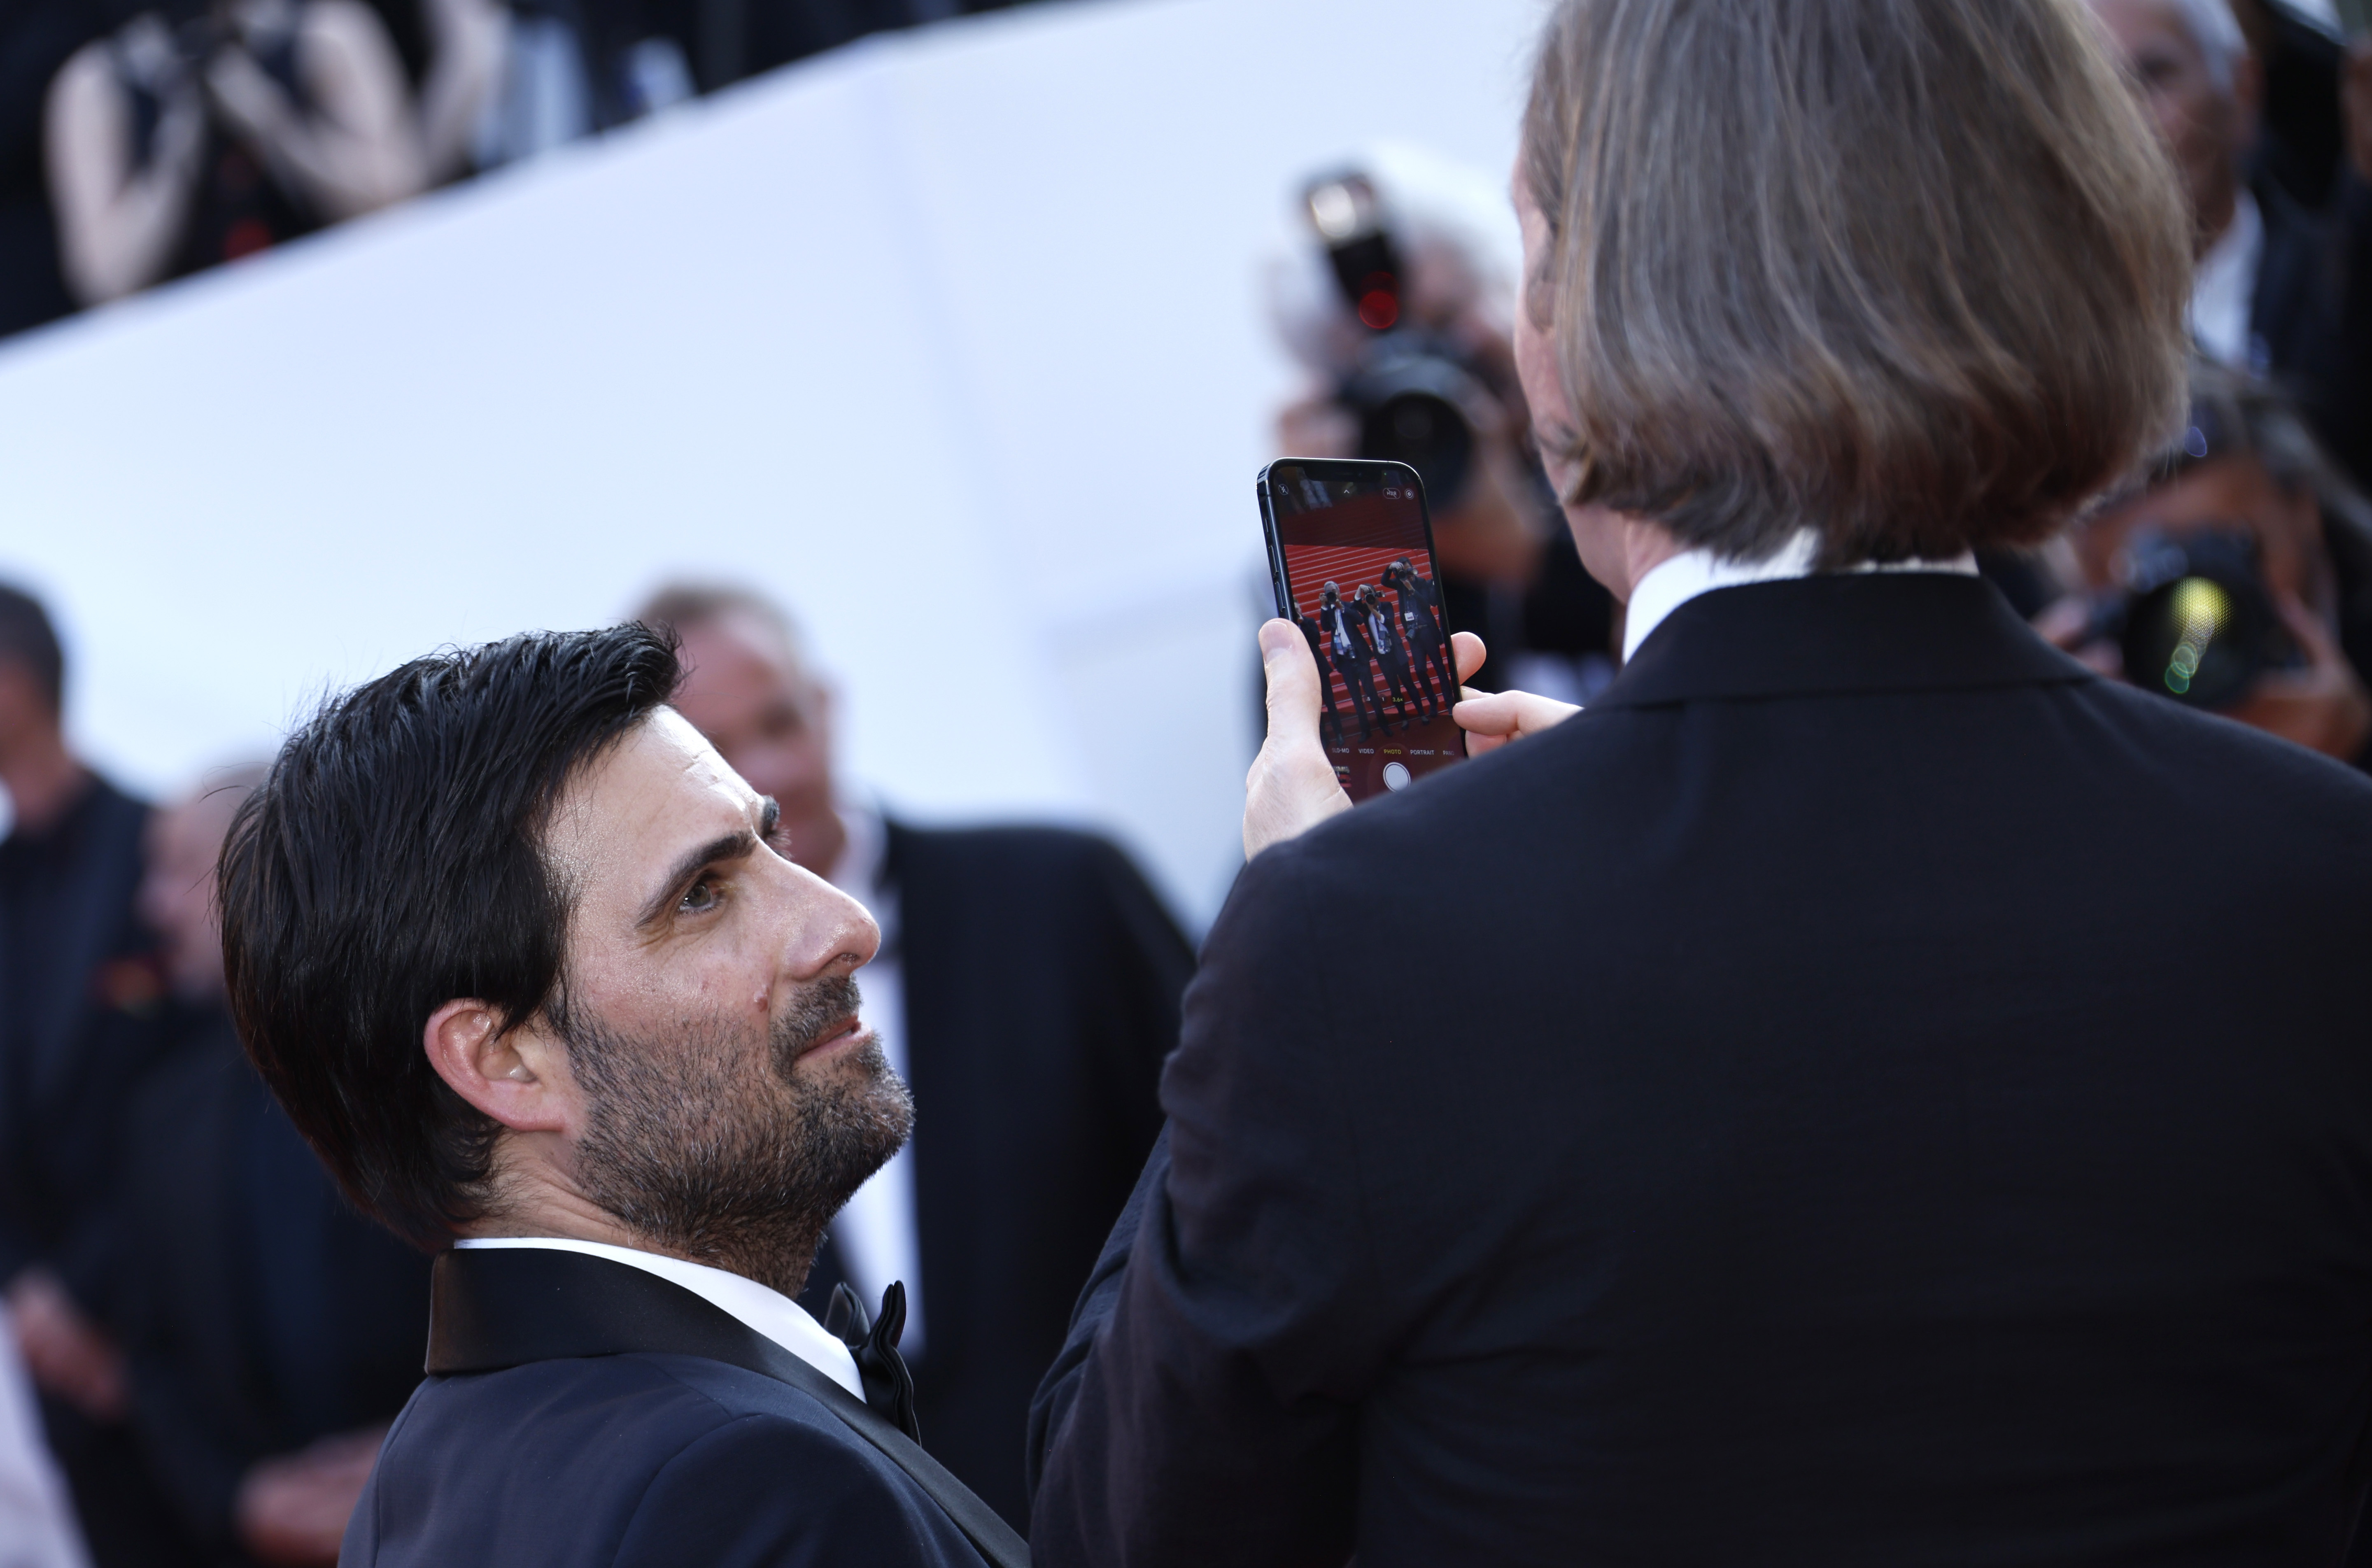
[637,1458]
[1607,768]
[729,1498]
[2235,751]
[2275,821]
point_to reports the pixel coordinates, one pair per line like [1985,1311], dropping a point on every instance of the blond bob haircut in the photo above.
[1910,272]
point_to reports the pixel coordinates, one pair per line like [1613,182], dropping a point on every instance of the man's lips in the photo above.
[847,1031]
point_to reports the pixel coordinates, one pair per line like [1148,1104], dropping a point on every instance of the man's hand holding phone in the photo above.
[1292,786]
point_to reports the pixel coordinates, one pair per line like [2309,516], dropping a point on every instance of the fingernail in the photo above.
[1275,636]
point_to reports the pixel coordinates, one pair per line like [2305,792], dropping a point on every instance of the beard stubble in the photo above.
[712,1145]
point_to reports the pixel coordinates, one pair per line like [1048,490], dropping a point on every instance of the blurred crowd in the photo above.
[2236,574]
[216,1341]
[141,142]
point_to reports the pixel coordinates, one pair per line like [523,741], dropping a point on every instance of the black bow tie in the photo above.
[889,1386]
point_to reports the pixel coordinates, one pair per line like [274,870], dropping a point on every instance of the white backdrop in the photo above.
[953,339]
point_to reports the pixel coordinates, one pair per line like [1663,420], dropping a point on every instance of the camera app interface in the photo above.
[1360,581]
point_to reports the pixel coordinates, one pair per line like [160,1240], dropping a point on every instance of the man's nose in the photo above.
[835,936]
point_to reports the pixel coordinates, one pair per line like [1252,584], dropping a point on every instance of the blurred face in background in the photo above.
[770,720]
[177,892]
[2205,127]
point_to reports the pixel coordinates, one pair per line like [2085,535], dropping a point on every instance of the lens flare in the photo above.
[2201,608]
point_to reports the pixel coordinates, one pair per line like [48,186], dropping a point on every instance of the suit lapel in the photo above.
[496,1307]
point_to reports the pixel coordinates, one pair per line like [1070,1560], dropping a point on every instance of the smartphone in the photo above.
[1350,550]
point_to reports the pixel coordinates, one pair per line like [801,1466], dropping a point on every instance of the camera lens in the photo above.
[1407,399]
[1423,431]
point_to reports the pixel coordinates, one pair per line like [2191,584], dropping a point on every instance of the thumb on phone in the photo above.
[1292,786]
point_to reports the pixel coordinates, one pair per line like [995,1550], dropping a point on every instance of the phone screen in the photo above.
[1352,553]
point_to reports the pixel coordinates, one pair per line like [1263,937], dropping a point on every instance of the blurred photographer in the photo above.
[2238,579]
[198,133]
[2279,290]
[1394,291]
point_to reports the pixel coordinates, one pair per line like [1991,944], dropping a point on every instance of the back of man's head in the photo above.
[393,862]
[1910,272]
[29,643]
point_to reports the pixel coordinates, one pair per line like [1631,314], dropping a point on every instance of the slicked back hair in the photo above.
[392,861]
[1910,272]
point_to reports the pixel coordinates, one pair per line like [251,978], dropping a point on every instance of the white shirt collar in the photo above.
[768,1312]
[2224,285]
[1673,583]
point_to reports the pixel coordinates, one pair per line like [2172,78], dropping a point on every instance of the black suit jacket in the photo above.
[81,1017]
[258,1311]
[1867,1091]
[1042,986]
[580,1410]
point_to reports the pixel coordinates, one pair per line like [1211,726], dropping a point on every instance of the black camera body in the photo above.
[2192,617]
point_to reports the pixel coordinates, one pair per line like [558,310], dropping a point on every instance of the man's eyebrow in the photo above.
[738,846]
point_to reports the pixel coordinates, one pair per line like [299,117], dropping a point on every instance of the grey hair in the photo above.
[1910,272]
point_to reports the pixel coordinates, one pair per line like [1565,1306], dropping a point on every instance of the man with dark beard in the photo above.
[517,953]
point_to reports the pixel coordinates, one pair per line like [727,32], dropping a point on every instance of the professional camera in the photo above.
[1409,390]
[2192,616]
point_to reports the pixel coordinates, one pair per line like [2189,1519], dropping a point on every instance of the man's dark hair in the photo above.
[392,861]
[27,638]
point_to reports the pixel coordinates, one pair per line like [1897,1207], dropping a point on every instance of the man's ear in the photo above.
[519,1076]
